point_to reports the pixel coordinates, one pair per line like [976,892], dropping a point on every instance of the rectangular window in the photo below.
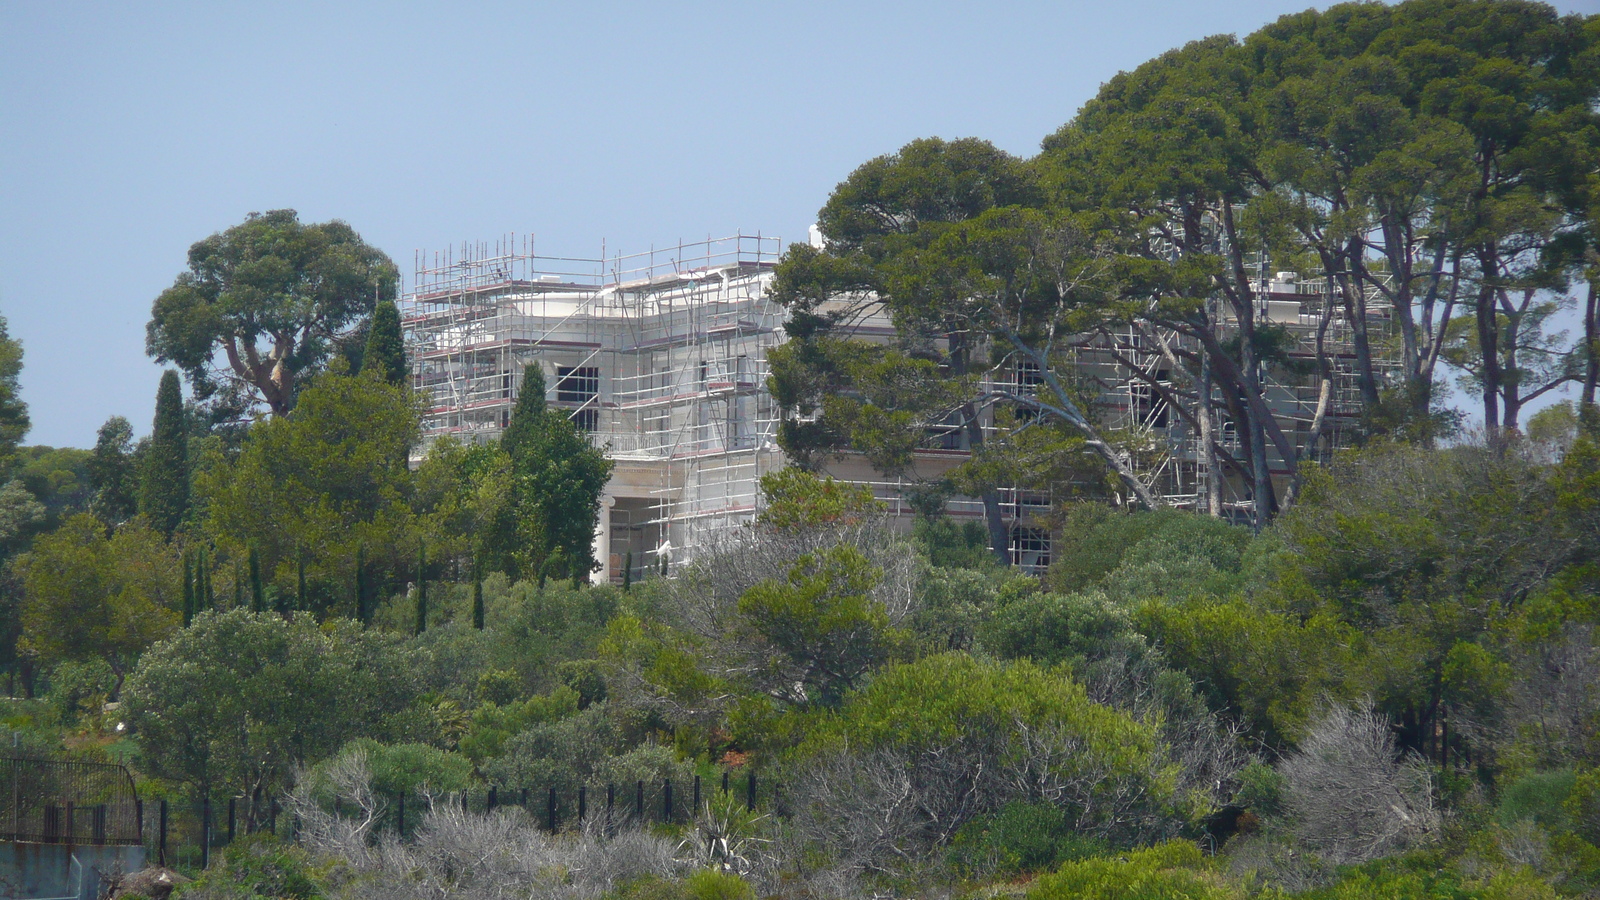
[587,419]
[1029,377]
[577,384]
[1030,549]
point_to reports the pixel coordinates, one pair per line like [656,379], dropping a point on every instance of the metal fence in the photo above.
[55,802]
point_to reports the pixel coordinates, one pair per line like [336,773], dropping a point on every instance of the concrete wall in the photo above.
[37,871]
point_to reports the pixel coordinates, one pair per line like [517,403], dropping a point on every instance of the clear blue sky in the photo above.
[129,131]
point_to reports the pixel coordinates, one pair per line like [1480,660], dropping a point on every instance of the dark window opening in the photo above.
[1030,549]
[577,385]
[586,419]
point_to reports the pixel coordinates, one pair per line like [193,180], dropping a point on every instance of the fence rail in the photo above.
[55,802]
[52,802]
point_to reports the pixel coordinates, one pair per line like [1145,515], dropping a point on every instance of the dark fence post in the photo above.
[161,845]
[205,833]
[52,823]
[98,824]
[233,813]
[550,810]
[750,797]
[138,819]
[666,800]
[583,803]
[696,802]
[72,835]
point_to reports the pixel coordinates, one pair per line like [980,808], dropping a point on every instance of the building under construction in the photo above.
[662,358]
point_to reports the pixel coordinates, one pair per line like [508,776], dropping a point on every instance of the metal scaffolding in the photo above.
[660,357]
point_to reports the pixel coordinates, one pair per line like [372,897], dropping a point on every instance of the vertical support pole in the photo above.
[550,810]
[161,838]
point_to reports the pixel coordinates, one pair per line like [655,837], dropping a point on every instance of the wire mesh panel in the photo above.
[56,802]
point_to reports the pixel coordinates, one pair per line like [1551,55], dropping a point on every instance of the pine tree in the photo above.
[422,588]
[164,486]
[258,593]
[385,354]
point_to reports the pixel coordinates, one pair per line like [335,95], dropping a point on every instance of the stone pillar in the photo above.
[602,541]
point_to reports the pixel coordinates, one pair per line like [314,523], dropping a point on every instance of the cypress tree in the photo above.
[477,599]
[188,588]
[527,415]
[361,585]
[202,582]
[385,354]
[258,593]
[164,487]
[422,588]
[211,592]
[627,571]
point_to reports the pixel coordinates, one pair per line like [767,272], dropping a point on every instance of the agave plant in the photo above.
[726,836]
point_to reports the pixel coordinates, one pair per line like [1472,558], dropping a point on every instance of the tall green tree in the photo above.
[164,483]
[238,699]
[274,298]
[14,422]
[113,473]
[87,595]
[557,477]
[325,480]
[385,354]
[258,591]
[842,393]
[421,623]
